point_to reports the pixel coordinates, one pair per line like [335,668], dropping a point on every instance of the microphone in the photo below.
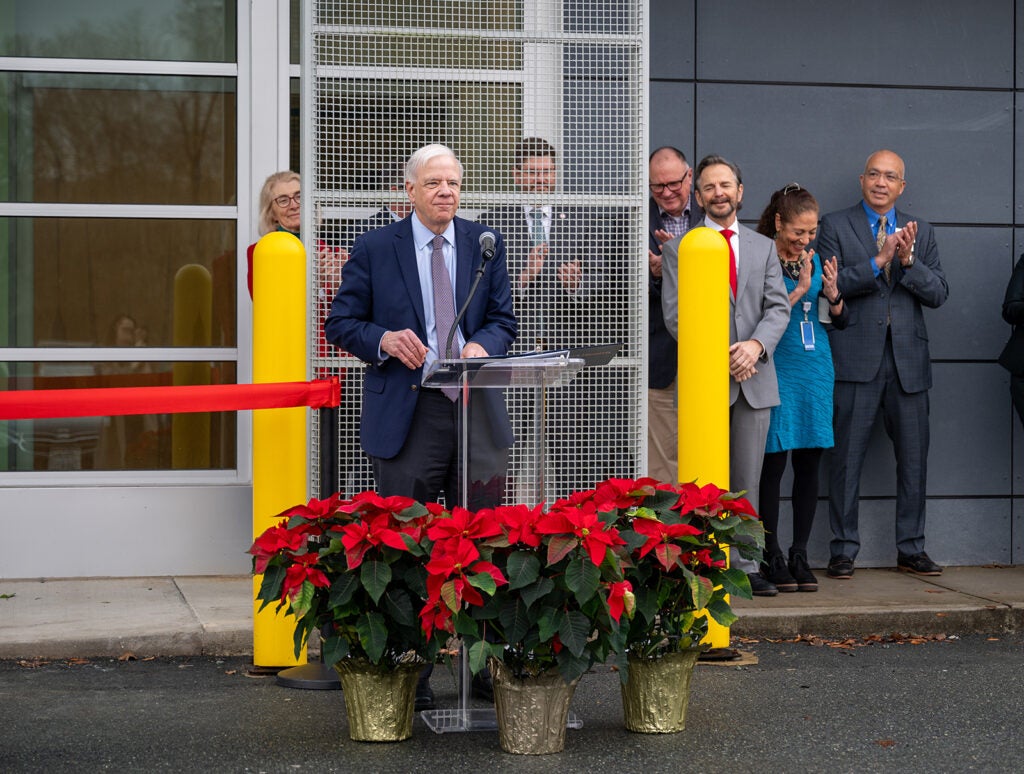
[487,250]
[487,245]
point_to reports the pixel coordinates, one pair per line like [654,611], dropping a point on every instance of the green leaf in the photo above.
[735,581]
[523,568]
[334,649]
[646,600]
[375,577]
[720,610]
[701,590]
[479,652]
[483,581]
[466,626]
[559,546]
[303,601]
[582,577]
[515,620]
[572,667]
[414,511]
[373,635]
[574,631]
[342,589]
[548,623]
[272,583]
[538,590]
[400,607]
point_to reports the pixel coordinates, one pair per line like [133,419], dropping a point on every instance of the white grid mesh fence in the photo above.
[544,102]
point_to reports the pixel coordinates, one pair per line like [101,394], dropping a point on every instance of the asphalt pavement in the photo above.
[192,616]
[925,704]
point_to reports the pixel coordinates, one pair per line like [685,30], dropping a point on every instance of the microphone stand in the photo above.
[465,306]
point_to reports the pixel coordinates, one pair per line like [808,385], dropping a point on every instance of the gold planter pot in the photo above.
[655,697]
[379,701]
[532,712]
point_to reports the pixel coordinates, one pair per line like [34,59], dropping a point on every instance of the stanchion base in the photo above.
[454,721]
[311,677]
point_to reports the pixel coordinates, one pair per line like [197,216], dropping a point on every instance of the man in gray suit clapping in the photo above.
[759,307]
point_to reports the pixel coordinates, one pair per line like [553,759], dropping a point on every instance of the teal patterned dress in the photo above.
[803,420]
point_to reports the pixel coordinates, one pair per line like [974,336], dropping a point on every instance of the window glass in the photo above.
[169,30]
[127,139]
[157,441]
[69,280]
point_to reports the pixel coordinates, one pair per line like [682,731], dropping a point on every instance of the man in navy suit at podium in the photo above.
[401,290]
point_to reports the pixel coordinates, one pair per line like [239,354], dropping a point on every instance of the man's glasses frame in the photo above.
[672,185]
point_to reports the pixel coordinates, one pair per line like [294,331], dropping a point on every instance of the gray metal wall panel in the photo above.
[968,532]
[805,113]
[912,42]
[950,140]
[672,116]
[969,326]
[963,459]
[671,39]
[1018,177]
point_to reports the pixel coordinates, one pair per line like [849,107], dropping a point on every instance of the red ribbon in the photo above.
[115,401]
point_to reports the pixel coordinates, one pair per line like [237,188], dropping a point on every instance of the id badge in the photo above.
[807,335]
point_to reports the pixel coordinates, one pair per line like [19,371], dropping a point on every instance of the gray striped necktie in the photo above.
[444,305]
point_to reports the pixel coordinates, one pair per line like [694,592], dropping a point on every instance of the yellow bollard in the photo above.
[703,375]
[279,436]
[193,312]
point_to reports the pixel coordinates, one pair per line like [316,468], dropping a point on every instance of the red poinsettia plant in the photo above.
[629,567]
[675,559]
[354,569]
[536,589]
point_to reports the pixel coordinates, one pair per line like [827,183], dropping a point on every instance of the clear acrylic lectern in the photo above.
[485,436]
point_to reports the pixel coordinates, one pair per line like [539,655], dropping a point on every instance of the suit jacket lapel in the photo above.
[405,254]
[743,272]
[859,224]
[465,255]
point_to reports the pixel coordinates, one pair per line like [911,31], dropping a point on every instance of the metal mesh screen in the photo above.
[544,102]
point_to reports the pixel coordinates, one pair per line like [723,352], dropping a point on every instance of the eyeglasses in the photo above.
[890,177]
[791,188]
[282,201]
[672,185]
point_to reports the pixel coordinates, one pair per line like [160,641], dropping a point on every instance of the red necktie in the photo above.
[727,233]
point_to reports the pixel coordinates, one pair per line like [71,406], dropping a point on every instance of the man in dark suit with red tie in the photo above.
[888,271]
[399,293]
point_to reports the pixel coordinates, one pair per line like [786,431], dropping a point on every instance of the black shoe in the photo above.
[775,571]
[801,571]
[424,696]
[482,688]
[918,564]
[840,567]
[760,587]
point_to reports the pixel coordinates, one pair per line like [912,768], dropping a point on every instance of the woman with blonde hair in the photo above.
[279,210]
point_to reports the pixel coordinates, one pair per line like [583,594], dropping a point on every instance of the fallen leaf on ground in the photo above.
[886,743]
[127,656]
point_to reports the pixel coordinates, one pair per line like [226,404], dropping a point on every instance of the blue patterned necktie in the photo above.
[537,235]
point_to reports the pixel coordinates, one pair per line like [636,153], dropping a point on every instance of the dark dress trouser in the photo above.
[905,417]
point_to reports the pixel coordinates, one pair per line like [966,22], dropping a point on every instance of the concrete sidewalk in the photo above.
[111,617]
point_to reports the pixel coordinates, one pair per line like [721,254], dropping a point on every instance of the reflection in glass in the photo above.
[170,30]
[158,441]
[124,139]
[69,280]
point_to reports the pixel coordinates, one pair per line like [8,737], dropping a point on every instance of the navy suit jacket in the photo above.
[380,291]
[857,350]
[663,356]
[546,311]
